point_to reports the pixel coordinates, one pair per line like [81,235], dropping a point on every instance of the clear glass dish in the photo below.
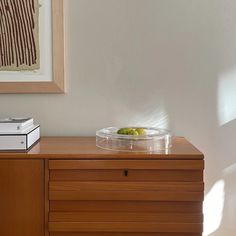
[154,140]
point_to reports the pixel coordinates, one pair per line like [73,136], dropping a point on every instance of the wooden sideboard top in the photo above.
[85,148]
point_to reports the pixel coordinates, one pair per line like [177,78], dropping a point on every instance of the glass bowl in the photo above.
[154,140]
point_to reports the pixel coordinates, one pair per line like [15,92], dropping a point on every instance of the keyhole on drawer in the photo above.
[126,173]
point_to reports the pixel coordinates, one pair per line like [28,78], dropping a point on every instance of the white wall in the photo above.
[169,63]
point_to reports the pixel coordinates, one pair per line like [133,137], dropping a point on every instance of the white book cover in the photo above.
[20,141]
[12,125]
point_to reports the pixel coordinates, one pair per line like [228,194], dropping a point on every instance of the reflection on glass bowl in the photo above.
[153,140]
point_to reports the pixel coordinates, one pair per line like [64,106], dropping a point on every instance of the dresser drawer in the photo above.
[165,164]
[125,217]
[119,180]
[123,175]
[155,197]
[125,171]
[124,222]
[126,206]
[148,227]
[136,191]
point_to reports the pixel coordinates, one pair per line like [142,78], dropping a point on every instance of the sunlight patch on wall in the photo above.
[213,208]
[229,170]
[229,175]
[154,118]
[227,98]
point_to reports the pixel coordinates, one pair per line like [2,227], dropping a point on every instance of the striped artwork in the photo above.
[19,49]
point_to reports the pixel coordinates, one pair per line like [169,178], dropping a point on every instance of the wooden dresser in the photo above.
[69,187]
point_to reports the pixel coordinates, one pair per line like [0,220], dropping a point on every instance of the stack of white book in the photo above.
[18,133]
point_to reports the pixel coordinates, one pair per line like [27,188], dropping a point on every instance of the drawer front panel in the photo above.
[127,227]
[131,165]
[125,217]
[133,175]
[126,196]
[111,198]
[128,206]
[125,186]
[152,191]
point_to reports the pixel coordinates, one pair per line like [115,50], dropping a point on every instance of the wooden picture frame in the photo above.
[57,84]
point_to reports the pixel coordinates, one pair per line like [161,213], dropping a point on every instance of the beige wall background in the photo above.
[163,63]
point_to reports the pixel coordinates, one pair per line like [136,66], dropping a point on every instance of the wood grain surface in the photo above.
[126,164]
[21,198]
[85,148]
[66,186]
[148,227]
[125,217]
[134,175]
[126,206]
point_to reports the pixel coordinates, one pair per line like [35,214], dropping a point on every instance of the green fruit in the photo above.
[129,130]
[133,132]
[141,131]
[122,131]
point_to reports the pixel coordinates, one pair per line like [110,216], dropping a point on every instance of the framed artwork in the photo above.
[31,46]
